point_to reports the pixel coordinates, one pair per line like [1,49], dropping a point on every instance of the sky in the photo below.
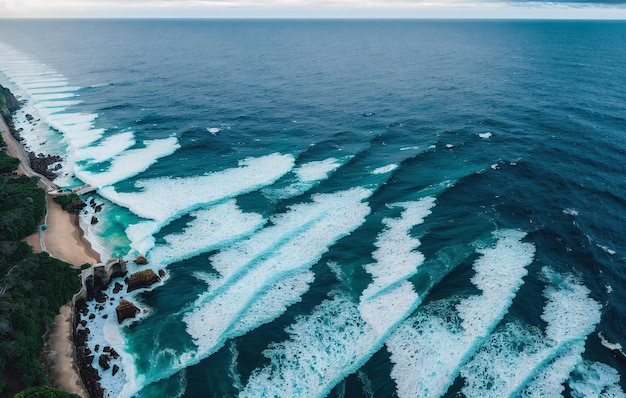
[555,9]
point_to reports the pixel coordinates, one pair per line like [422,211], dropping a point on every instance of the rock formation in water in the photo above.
[126,310]
[142,279]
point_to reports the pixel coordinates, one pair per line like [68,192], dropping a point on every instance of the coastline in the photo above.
[64,240]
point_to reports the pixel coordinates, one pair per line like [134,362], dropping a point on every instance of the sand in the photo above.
[64,239]
[59,356]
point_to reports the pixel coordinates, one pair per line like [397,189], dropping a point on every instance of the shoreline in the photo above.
[63,239]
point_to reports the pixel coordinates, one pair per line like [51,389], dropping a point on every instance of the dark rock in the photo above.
[162,273]
[106,349]
[125,310]
[94,220]
[114,354]
[104,361]
[89,359]
[105,316]
[115,370]
[97,347]
[117,288]
[83,322]
[141,260]
[92,316]
[98,208]
[142,279]
[40,163]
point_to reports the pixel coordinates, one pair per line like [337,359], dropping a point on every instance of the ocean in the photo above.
[345,208]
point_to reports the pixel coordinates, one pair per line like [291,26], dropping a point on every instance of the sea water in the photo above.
[345,208]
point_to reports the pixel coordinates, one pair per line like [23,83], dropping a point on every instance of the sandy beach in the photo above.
[64,240]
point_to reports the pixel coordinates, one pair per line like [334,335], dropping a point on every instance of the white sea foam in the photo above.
[606,249]
[395,254]
[429,348]
[340,336]
[271,266]
[131,163]
[548,382]
[61,87]
[232,368]
[53,96]
[311,362]
[522,359]
[273,303]
[141,236]
[211,229]
[608,344]
[385,169]
[385,311]
[164,199]
[485,136]
[570,212]
[307,176]
[251,267]
[107,149]
[315,171]
[595,379]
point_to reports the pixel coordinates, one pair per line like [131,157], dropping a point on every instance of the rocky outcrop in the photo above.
[41,164]
[84,357]
[8,102]
[141,260]
[142,279]
[126,310]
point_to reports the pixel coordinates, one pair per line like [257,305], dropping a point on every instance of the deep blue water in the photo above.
[347,208]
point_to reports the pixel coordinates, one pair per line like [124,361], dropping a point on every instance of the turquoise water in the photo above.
[346,208]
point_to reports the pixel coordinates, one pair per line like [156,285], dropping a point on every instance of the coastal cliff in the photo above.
[8,102]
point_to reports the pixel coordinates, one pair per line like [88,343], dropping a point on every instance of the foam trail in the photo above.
[253,266]
[520,359]
[272,303]
[232,368]
[429,349]
[48,90]
[340,336]
[311,362]
[595,379]
[264,263]
[164,199]
[548,382]
[130,163]
[385,169]
[396,259]
[109,148]
[307,176]
[212,228]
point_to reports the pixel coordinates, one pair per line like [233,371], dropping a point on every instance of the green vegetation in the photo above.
[32,289]
[68,202]
[22,206]
[45,392]
[7,163]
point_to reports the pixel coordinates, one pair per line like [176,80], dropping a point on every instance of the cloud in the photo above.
[314,8]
